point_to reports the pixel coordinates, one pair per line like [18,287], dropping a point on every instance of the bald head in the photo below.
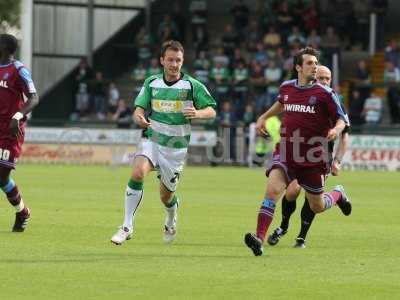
[324,75]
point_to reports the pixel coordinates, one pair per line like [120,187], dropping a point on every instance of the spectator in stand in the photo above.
[221,78]
[356,105]
[391,78]
[363,79]
[253,36]
[278,57]
[229,40]
[298,10]
[296,36]
[113,98]
[311,18]
[240,12]
[143,44]
[284,19]
[392,53]
[123,115]
[221,58]
[249,115]
[154,67]
[167,29]
[313,39]
[198,9]
[82,102]
[99,88]
[272,39]
[372,111]
[84,72]
[239,56]
[200,39]
[273,76]
[330,44]
[260,56]
[180,20]
[258,87]
[202,67]
[138,76]
[240,80]
[82,76]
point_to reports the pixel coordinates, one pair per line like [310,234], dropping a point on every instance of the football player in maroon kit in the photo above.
[324,77]
[15,83]
[312,116]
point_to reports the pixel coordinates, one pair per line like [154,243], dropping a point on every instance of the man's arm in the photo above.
[205,113]
[203,103]
[335,131]
[28,106]
[274,110]
[340,151]
[139,118]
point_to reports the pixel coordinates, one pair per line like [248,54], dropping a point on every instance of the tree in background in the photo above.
[9,14]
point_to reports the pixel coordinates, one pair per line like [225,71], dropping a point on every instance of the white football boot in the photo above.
[123,234]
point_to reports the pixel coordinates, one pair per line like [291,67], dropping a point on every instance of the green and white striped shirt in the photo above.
[169,127]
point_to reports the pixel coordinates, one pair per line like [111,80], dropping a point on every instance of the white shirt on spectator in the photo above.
[373,109]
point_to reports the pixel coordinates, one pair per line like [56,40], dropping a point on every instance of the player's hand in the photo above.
[142,122]
[336,166]
[190,113]
[331,134]
[14,128]
[260,127]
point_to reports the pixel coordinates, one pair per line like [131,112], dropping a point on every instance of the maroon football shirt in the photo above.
[15,80]
[309,112]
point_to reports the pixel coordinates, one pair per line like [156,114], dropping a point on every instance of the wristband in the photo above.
[18,116]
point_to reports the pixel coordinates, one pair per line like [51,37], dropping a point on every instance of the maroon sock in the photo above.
[13,196]
[265,216]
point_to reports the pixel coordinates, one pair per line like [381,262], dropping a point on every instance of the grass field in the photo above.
[66,251]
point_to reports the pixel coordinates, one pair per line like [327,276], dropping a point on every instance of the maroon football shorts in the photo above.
[312,179]
[10,147]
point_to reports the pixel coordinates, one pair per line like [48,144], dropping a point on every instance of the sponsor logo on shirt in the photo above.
[182,94]
[286,98]
[3,84]
[312,100]
[167,106]
[300,108]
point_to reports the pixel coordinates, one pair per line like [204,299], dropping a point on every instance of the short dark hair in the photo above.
[9,43]
[298,58]
[173,45]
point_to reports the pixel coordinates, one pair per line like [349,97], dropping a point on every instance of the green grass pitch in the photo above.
[66,251]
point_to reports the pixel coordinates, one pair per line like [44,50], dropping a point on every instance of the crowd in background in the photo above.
[244,65]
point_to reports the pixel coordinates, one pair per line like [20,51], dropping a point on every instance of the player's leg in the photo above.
[289,203]
[171,204]
[11,190]
[313,184]
[307,217]
[171,163]
[322,202]
[288,208]
[277,183]
[133,196]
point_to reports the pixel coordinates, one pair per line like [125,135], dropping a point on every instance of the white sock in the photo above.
[132,201]
[171,215]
